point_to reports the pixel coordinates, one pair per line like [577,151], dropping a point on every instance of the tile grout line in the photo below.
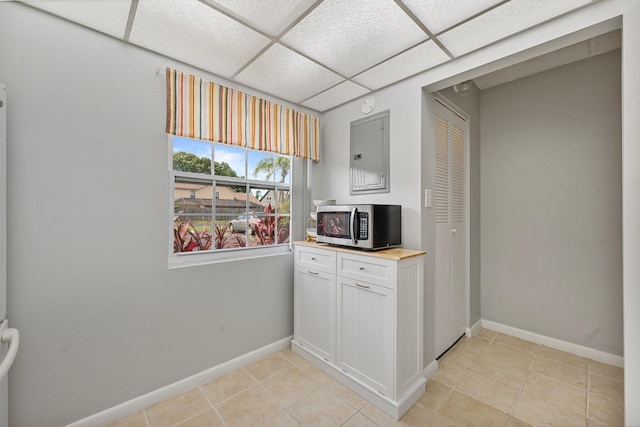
[286,408]
[588,391]
[365,415]
[214,406]
[537,354]
[191,417]
[257,382]
[521,387]
[300,365]
[435,411]
[492,341]
[300,423]
[347,420]
[464,374]
[235,394]
[146,419]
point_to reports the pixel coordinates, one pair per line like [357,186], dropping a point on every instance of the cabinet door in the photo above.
[315,312]
[369,151]
[366,334]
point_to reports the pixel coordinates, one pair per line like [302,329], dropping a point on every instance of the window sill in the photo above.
[195,258]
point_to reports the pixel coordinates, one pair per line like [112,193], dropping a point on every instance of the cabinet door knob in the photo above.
[313,258]
[361,268]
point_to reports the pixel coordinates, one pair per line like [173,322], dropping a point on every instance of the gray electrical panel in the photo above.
[369,164]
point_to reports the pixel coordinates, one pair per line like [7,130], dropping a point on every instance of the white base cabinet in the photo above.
[315,296]
[358,317]
[365,338]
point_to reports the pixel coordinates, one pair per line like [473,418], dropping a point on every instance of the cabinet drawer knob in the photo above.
[313,272]
[361,268]
[362,286]
[313,258]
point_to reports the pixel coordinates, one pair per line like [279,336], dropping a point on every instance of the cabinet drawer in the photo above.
[315,259]
[369,269]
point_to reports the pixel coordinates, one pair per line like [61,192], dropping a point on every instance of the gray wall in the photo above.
[552,203]
[102,320]
[631,210]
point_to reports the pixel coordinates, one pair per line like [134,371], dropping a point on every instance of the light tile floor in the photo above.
[489,380]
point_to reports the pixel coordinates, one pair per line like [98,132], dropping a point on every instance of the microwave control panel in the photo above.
[363,220]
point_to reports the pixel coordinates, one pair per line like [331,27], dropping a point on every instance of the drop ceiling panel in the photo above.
[270,16]
[107,16]
[503,21]
[335,51]
[438,15]
[283,72]
[349,36]
[193,32]
[339,94]
[411,62]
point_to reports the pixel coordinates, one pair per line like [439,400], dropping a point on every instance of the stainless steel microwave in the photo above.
[369,227]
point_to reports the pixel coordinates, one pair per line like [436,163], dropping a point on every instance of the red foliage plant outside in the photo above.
[266,230]
[187,238]
[226,239]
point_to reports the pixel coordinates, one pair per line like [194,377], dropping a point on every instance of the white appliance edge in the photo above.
[9,338]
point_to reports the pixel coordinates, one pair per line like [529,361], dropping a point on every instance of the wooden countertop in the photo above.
[395,254]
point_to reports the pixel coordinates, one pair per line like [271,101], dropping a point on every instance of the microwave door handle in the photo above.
[352,224]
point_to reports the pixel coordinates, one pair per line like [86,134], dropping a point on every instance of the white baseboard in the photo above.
[579,350]
[139,403]
[430,369]
[473,330]
[412,390]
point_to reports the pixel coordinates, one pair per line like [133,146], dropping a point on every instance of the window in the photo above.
[241,203]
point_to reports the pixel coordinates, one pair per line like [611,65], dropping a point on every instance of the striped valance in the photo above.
[204,110]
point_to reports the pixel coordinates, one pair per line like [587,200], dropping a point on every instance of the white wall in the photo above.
[552,203]
[102,320]
[331,175]
[597,18]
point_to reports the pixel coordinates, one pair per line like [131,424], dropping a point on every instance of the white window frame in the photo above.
[186,259]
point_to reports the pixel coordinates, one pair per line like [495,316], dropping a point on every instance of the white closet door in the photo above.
[449,204]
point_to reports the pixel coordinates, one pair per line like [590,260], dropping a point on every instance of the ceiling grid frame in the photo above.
[349,68]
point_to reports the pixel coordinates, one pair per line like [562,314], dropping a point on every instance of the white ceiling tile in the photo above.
[107,16]
[193,32]
[503,21]
[339,94]
[438,15]
[270,16]
[283,72]
[411,62]
[349,36]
